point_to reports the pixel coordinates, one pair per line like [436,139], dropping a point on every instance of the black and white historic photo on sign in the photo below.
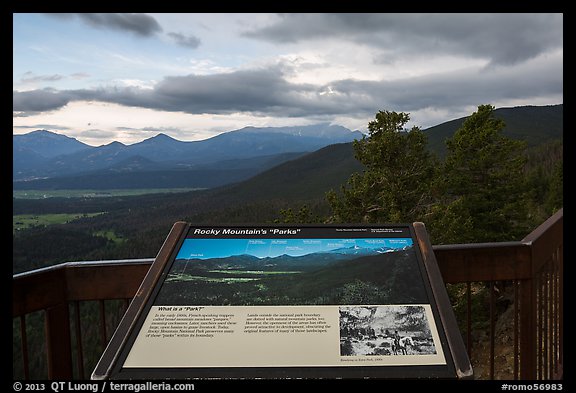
[389,330]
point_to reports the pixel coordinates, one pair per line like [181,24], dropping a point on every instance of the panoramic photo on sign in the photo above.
[290,297]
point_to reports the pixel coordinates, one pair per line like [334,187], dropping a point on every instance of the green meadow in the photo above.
[23,221]
[42,194]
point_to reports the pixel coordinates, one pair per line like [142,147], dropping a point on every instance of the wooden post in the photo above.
[527,329]
[58,347]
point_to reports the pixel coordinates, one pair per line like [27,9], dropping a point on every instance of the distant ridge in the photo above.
[309,176]
[533,124]
[313,174]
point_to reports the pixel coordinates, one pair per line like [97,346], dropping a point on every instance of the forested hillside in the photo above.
[534,124]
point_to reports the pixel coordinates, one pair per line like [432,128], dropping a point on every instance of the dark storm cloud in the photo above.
[246,90]
[255,91]
[138,24]
[500,38]
[39,100]
[189,41]
[267,92]
[456,89]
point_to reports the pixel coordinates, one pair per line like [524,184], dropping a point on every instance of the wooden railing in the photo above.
[531,272]
[54,297]
[508,298]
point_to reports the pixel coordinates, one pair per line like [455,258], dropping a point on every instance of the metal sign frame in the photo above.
[130,339]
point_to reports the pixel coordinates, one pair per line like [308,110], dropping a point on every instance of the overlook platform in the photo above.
[509,299]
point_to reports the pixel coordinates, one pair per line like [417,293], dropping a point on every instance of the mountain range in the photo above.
[46,155]
[280,160]
[283,262]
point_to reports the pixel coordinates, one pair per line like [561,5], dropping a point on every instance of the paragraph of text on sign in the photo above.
[187,322]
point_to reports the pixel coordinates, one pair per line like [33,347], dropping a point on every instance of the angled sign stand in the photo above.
[329,301]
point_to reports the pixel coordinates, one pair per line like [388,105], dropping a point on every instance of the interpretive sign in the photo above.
[289,302]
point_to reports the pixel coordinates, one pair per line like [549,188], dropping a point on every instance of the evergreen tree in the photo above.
[303,216]
[555,197]
[395,185]
[482,184]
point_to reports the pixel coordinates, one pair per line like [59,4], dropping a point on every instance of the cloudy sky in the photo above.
[128,77]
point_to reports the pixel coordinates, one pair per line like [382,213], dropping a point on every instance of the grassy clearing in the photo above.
[23,221]
[187,277]
[42,194]
[110,235]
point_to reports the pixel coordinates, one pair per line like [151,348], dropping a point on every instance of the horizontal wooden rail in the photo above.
[484,261]
[55,285]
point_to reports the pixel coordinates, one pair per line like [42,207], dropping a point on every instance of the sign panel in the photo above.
[350,301]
